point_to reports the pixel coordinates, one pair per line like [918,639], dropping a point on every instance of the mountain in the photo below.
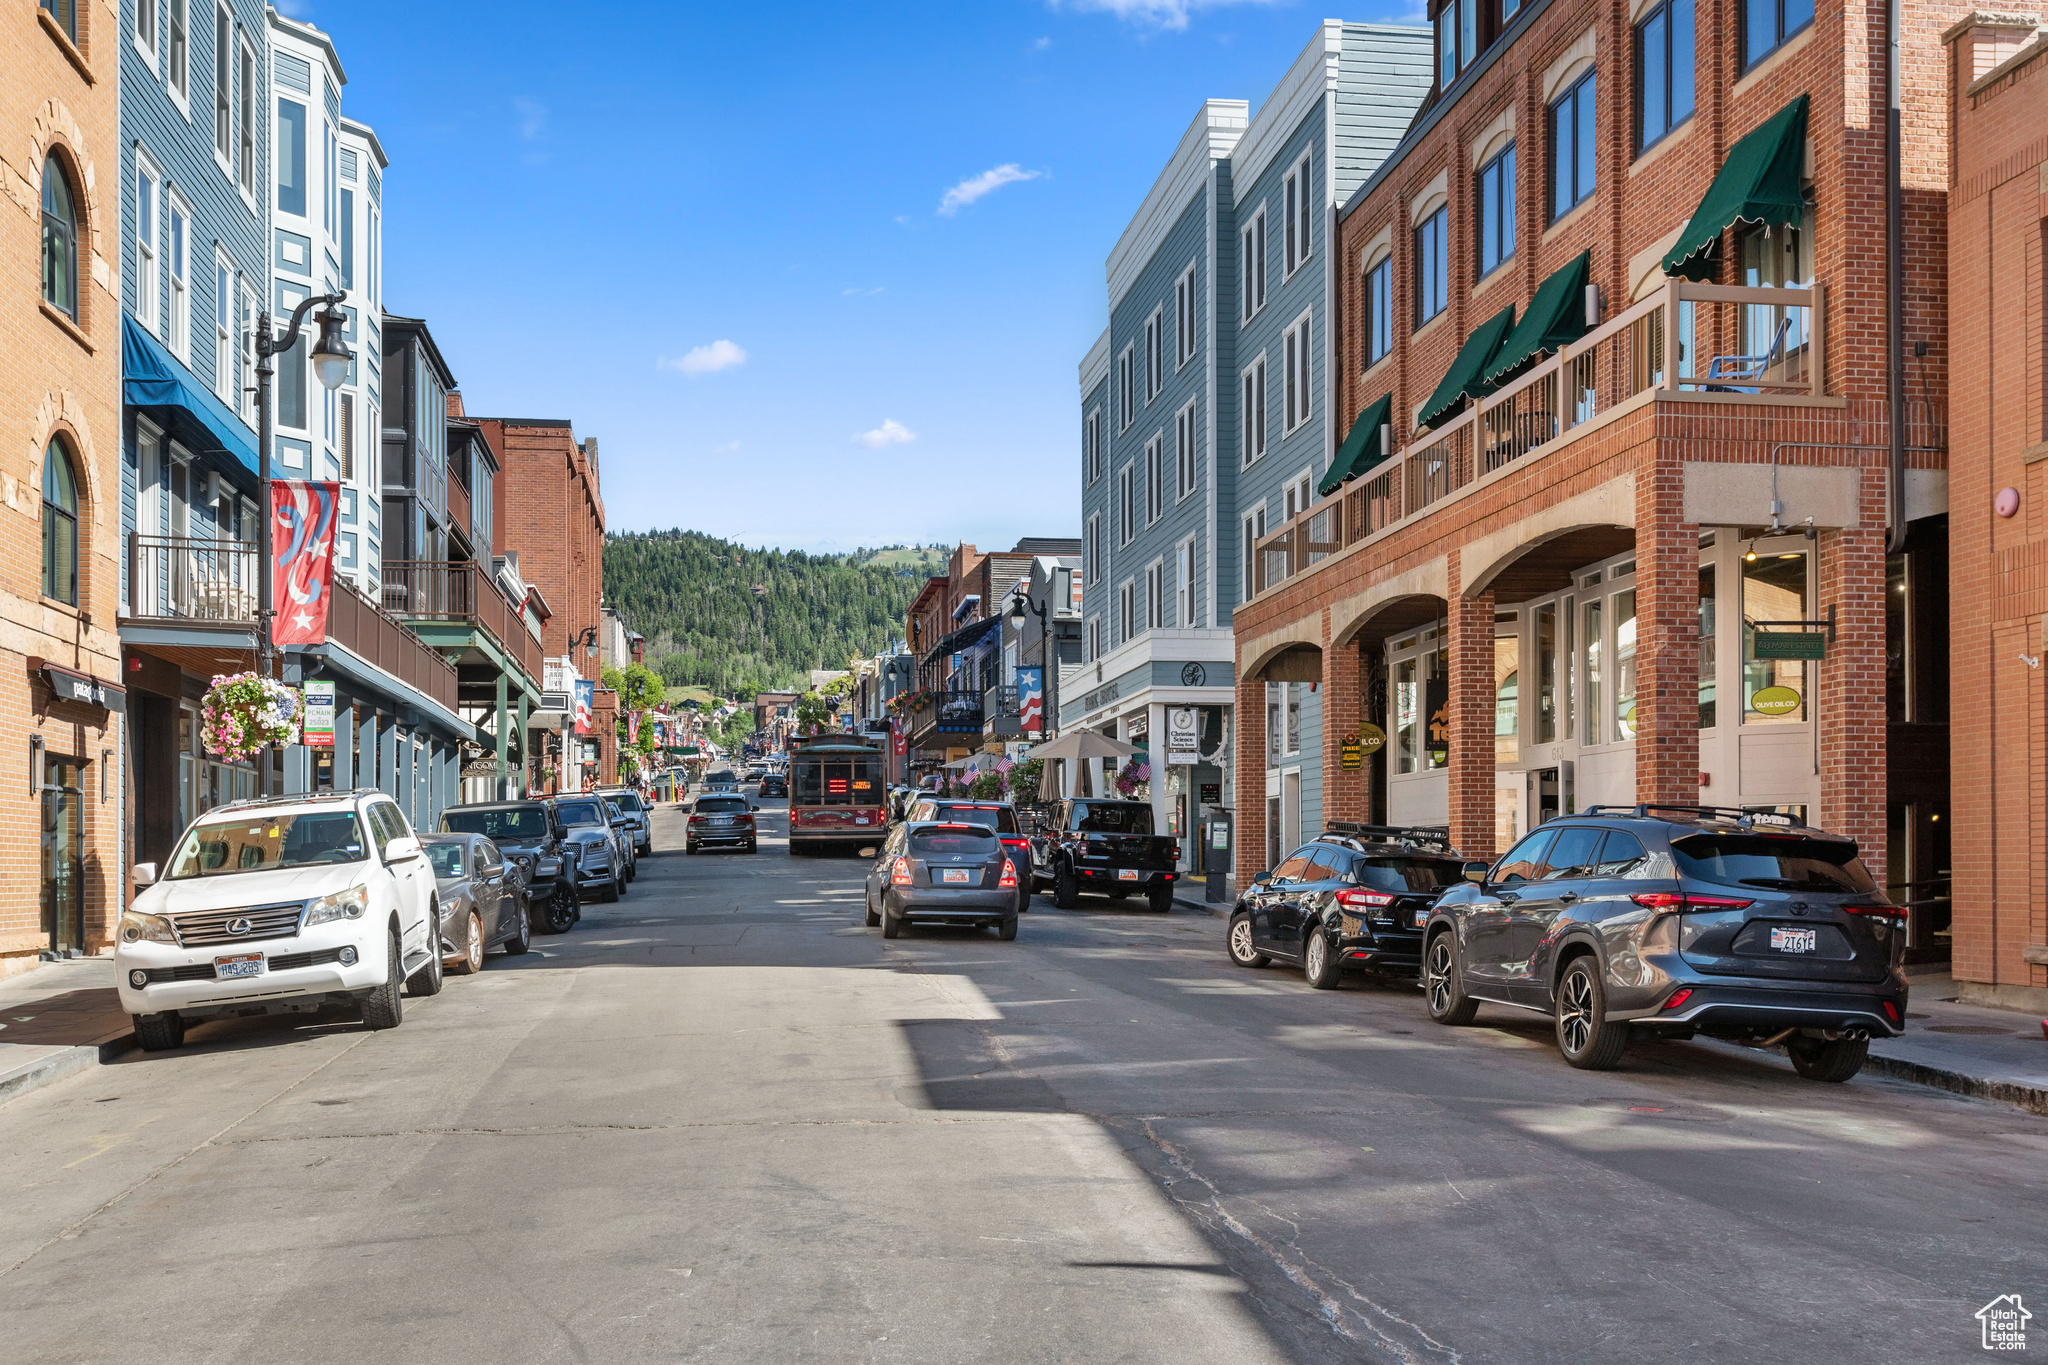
[742,621]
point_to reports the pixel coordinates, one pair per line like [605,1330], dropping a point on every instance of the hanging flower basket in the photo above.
[243,714]
[1134,781]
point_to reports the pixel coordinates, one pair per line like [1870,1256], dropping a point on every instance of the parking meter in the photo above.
[1216,850]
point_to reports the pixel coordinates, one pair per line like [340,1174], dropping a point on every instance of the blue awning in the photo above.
[154,379]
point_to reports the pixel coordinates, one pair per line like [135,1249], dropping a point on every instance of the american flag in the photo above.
[1031,700]
[586,696]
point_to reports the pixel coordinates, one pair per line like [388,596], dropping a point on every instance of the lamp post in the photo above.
[331,361]
[1019,605]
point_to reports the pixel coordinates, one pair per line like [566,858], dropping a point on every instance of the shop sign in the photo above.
[318,731]
[1774,701]
[1212,793]
[1436,701]
[1788,644]
[1371,739]
[1350,753]
[1183,734]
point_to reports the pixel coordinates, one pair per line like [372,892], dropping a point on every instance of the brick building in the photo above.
[954,627]
[1612,367]
[547,506]
[1998,221]
[60,481]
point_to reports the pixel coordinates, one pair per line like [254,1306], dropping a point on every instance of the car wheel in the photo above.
[1589,1041]
[1242,951]
[613,890]
[892,926]
[1160,898]
[1320,964]
[1830,1060]
[751,847]
[383,1007]
[522,932]
[160,1032]
[473,949]
[427,980]
[1007,930]
[561,912]
[1443,987]
[1066,887]
[690,850]
[871,917]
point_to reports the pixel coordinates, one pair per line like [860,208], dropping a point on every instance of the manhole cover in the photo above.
[1975,1030]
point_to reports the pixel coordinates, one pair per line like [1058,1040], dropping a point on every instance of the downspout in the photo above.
[1895,289]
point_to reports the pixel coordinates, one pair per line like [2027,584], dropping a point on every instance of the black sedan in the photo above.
[943,873]
[482,899]
[774,784]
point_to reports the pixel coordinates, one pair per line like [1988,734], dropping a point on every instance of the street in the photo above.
[721,1120]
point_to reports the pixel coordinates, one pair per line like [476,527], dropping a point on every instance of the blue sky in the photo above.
[815,276]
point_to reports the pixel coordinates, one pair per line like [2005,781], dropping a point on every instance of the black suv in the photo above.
[1667,921]
[532,840]
[1355,896]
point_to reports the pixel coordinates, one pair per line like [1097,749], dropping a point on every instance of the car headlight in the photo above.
[349,904]
[137,927]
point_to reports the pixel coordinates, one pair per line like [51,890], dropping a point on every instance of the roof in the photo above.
[369,135]
[418,327]
[305,32]
[1047,545]
[1215,130]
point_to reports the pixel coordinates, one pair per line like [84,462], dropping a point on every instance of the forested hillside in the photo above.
[742,621]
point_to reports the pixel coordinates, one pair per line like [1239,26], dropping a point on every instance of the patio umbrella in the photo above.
[1078,747]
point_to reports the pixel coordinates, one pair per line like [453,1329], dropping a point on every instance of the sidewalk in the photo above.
[60,1018]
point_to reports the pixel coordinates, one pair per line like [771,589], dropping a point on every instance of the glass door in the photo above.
[63,846]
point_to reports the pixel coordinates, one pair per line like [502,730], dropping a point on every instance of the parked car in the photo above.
[596,853]
[721,780]
[527,833]
[1356,896]
[1667,921]
[999,816]
[720,821]
[774,784]
[283,904]
[1106,846]
[635,810]
[622,826]
[943,872]
[483,903]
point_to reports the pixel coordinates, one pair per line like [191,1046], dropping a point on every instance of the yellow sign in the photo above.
[1371,738]
[1774,701]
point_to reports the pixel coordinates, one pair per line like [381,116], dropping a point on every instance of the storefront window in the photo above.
[1293,718]
[1773,589]
[63,854]
[1591,611]
[1507,698]
[1407,715]
[1546,673]
[1275,693]
[1625,665]
[1706,646]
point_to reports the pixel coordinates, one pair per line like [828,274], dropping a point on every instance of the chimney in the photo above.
[1987,38]
[455,403]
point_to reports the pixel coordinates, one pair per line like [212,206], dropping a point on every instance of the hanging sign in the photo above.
[1371,739]
[586,697]
[1031,699]
[1436,700]
[318,731]
[1774,701]
[1788,644]
[1183,734]
[1350,753]
[302,574]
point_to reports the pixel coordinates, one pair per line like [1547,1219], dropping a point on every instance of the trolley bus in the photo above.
[837,792]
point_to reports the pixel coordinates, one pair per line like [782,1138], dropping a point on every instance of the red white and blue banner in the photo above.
[1031,699]
[586,697]
[302,567]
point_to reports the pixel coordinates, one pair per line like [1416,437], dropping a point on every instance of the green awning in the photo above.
[1361,449]
[1466,377]
[1555,317]
[1758,183]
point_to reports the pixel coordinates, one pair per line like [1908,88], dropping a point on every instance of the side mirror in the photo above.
[402,849]
[1261,878]
[143,874]
[1476,873]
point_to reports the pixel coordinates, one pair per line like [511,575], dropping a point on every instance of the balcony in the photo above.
[460,591]
[1734,344]
[951,712]
[999,712]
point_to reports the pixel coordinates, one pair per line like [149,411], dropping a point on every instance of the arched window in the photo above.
[60,525]
[60,240]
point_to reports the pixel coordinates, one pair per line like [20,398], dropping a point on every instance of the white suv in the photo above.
[288,903]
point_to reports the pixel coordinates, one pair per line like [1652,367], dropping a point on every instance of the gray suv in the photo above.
[1671,921]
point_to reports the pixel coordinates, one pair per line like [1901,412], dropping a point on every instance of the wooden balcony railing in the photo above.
[379,639]
[460,590]
[1732,340]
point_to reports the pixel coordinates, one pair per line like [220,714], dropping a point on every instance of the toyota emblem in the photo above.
[238,925]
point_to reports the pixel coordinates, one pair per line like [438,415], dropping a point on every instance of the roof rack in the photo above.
[1416,836]
[1746,818]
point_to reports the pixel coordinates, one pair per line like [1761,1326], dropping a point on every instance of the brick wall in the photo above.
[546,505]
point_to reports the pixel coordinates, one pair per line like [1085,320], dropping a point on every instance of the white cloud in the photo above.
[1041,44]
[533,117]
[1171,14]
[975,186]
[719,355]
[857,293]
[890,433]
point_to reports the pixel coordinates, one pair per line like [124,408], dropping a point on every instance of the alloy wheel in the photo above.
[1318,954]
[1575,1013]
[1241,940]
[1439,982]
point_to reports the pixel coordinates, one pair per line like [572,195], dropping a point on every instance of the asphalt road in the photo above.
[721,1120]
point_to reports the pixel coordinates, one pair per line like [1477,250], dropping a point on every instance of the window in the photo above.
[1255,410]
[345,438]
[1184,449]
[245,103]
[1154,486]
[1127,511]
[181,55]
[291,385]
[245,353]
[1296,388]
[145,28]
[1155,599]
[1300,494]
[1379,311]
[1497,211]
[1094,574]
[60,524]
[65,12]
[348,239]
[1126,408]
[291,157]
[1766,24]
[1094,637]
[223,330]
[146,282]
[1299,220]
[1457,39]
[181,281]
[1184,583]
[1091,446]
[327,196]
[223,122]
[1664,68]
[1184,318]
[1254,263]
[1774,588]
[60,241]
[1432,265]
[1572,147]
[1254,527]
[1154,372]
[1127,611]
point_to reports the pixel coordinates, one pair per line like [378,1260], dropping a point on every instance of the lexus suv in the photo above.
[1671,921]
[283,904]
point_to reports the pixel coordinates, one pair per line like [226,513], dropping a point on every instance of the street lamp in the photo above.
[1020,603]
[331,362]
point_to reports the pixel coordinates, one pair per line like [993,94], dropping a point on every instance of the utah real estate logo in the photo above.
[2005,1321]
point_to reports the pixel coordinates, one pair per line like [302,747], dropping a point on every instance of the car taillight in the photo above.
[1014,843]
[1358,898]
[746,819]
[1887,911]
[1891,1011]
[1678,998]
[1009,879]
[696,819]
[1672,900]
[899,872]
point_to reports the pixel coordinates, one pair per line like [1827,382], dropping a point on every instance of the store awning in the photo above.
[1758,183]
[1555,316]
[966,637]
[154,379]
[1466,377]
[1361,449]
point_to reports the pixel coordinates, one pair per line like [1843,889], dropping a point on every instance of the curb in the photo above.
[2032,1098]
[1219,910]
[19,1080]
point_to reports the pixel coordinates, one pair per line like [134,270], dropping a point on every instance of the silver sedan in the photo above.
[939,872]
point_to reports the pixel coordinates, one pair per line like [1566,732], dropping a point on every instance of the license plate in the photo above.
[961,875]
[860,819]
[1794,940]
[245,964]
[1421,917]
[1127,874]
